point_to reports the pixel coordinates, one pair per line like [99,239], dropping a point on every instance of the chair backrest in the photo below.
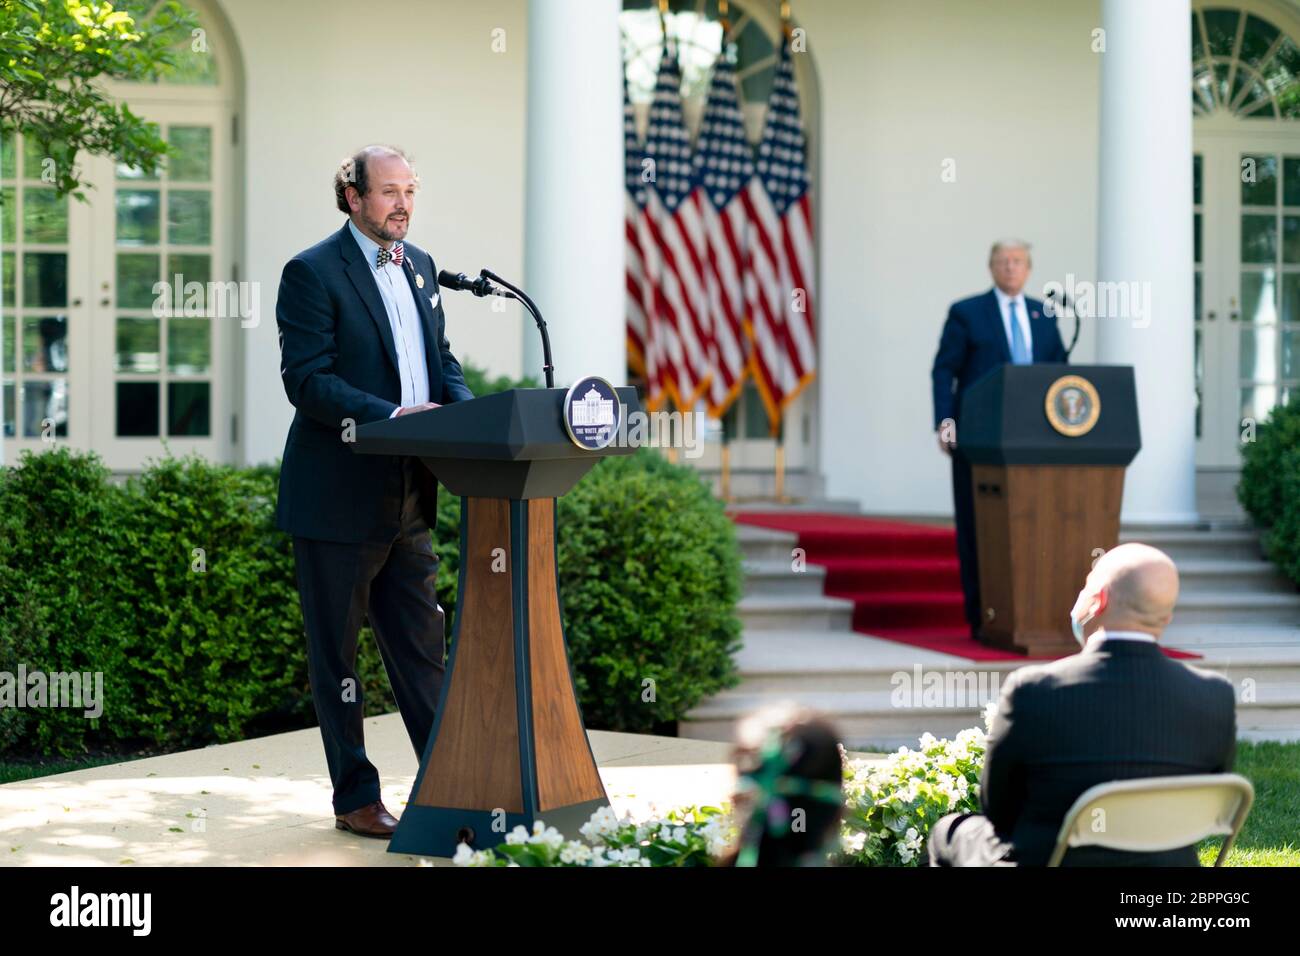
[1153,814]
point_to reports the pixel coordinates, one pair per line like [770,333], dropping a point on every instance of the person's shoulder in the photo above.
[326,248]
[417,252]
[970,302]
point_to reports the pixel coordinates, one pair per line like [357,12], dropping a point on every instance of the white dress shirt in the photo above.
[1101,634]
[1022,314]
[403,319]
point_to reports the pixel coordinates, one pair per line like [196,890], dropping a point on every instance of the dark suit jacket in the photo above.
[974,343]
[338,361]
[1119,711]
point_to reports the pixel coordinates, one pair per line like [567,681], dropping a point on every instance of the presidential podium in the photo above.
[1048,445]
[508,744]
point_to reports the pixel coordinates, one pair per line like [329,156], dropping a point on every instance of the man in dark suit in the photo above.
[1118,710]
[362,339]
[982,332]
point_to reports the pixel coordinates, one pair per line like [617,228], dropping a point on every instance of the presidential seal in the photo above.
[1073,405]
[591,413]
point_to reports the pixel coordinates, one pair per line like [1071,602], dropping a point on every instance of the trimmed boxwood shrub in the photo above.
[1269,488]
[207,646]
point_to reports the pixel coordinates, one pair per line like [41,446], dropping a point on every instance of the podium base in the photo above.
[438,831]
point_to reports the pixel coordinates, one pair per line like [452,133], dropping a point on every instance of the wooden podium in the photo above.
[508,744]
[1047,497]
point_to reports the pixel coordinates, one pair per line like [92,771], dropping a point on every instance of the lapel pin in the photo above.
[419,280]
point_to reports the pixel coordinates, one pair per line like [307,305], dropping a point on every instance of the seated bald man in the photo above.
[1119,709]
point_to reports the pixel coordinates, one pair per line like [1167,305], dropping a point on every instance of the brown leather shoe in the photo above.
[372,820]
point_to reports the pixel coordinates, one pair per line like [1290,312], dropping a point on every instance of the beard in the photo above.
[384,229]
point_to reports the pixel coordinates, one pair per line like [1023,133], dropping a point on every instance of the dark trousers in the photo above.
[963,501]
[967,839]
[390,580]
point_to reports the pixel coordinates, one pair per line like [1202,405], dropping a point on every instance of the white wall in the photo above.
[1008,89]
[327,76]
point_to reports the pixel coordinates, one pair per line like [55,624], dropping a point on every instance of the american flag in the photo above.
[779,284]
[671,236]
[634,201]
[724,167]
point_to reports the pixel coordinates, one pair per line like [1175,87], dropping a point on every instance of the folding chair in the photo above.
[1153,814]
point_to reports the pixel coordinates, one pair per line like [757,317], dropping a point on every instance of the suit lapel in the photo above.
[363,280]
[995,316]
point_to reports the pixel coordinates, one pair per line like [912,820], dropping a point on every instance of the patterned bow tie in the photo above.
[385,255]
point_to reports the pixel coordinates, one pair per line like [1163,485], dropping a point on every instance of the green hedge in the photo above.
[1269,489]
[179,589]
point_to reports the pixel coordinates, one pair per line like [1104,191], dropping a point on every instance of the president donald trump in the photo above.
[983,332]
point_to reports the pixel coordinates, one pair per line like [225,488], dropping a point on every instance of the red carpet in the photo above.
[902,577]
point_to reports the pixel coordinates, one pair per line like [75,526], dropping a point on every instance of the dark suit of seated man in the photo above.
[1118,710]
[362,339]
[982,332]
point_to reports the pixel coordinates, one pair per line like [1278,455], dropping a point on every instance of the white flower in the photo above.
[574,852]
[517,836]
[990,711]
[464,855]
[928,740]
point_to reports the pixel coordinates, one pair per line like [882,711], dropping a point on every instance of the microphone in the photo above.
[459,282]
[1062,307]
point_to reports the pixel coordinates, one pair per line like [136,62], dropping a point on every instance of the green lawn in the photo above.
[27,769]
[1271,836]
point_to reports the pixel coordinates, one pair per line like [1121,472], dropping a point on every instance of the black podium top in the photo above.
[1004,417]
[511,444]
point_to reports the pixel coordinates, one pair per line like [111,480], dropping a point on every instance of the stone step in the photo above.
[774,578]
[871,720]
[1189,545]
[791,612]
[1239,575]
[764,544]
[1236,607]
[1226,639]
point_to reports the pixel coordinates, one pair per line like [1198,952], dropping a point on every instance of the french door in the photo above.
[100,350]
[1247,245]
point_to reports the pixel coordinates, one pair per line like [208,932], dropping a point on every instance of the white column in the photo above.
[1145,236]
[573,252]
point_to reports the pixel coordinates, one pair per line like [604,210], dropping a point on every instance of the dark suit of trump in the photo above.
[1119,710]
[974,342]
[362,544]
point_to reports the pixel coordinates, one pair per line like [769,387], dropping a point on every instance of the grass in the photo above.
[1271,834]
[13,770]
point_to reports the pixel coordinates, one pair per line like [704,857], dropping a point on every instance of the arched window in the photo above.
[1243,65]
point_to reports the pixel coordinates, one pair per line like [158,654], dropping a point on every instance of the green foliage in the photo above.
[649,579]
[1269,489]
[53,55]
[481,384]
[178,588]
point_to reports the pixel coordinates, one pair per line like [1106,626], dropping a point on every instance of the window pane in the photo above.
[10,415]
[137,409]
[189,217]
[188,349]
[136,275]
[1291,352]
[1196,180]
[1256,40]
[194,161]
[1290,311]
[8,158]
[45,402]
[11,346]
[194,267]
[138,217]
[45,343]
[1196,238]
[137,345]
[187,408]
[1259,239]
[1291,238]
[1259,180]
[1258,356]
[45,215]
[1291,180]
[8,270]
[1256,403]
[1258,296]
[134,172]
[9,214]
[45,279]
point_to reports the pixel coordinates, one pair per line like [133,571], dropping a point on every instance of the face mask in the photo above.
[1076,628]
